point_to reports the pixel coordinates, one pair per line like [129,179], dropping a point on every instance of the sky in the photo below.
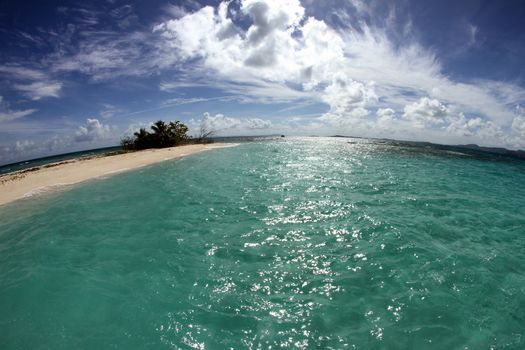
[82,75]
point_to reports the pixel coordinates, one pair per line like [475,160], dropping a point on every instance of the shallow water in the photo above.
[303,243]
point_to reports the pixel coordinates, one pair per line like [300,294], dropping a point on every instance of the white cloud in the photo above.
[177,101]
[518,125]
[385,117]
[175,11]
[465,127]
[426,113]
[386,113]
[30,149]
[473,32]
[270,51]
[348,101]
[271,19]
[109,111]
[352,71]
[20,72]
[135,127]
[36,143]
[7,114]
[38,90]
[221,123]
[107,55]
[92,131]
[348,97]
[225,126]
[22,146]
[31,82]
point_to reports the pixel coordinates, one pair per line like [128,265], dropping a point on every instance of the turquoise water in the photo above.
[305,243]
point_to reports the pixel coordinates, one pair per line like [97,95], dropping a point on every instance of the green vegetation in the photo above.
[162,135]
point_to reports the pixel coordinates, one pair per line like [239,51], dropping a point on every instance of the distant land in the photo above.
[495,150]
[469,147]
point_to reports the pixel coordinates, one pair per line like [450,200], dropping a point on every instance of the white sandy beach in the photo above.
[22,184]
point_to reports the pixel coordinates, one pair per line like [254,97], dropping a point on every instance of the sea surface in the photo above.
[305,243]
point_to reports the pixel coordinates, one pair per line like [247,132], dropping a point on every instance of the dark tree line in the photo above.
[161,135]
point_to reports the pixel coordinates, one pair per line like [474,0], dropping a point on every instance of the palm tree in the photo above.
[143,139]
[141,134]
[163,135]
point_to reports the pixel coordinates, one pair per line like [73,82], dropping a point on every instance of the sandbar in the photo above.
[28,182]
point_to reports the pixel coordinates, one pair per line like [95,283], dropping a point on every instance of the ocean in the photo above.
[308,243]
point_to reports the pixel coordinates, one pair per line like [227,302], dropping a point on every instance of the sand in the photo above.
[34,181]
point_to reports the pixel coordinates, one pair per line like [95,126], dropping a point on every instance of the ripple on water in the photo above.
[298,243]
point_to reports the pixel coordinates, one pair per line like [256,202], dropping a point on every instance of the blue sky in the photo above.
[80,75]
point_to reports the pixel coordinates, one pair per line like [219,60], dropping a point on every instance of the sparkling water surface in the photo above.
[303,243]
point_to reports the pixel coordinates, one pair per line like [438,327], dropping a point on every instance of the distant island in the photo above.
[469,147]
[494,150]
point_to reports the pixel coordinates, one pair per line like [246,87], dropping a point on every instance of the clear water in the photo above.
[306,243]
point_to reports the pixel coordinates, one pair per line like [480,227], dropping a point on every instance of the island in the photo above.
[166,141]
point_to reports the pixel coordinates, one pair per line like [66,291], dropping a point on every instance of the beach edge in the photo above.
[23,184]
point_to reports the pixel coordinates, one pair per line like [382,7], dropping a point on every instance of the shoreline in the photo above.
[33,181]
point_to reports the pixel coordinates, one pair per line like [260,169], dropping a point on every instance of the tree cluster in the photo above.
[162,135]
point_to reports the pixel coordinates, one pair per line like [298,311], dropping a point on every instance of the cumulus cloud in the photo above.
[386,113]
[518,125]
[221,123]
[30,149]
[271,16]
[386,117]
[224,126]
[353,70]
[344,95]
[426,112]
[38,145]
[271,51]
[91,131]
[465,127]
[175,10]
